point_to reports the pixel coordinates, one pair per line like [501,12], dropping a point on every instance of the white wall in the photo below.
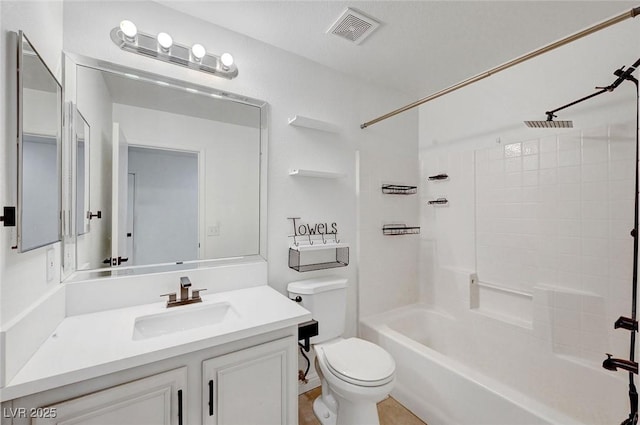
[22,276]
[563,203]
[388,264]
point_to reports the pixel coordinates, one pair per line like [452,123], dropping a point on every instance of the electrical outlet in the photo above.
[51,264]
[213,230]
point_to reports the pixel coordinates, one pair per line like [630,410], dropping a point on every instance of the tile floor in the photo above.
[390,411]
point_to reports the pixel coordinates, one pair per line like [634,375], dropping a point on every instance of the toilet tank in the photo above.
[326,299]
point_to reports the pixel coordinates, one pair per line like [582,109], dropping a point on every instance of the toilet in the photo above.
[355,374]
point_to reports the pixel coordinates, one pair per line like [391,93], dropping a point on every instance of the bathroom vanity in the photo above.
[150,364]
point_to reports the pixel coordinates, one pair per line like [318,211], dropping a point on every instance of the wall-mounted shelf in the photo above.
[399,229]
[398,189]
[300,121]
[439,201]
[438,177]
[299,172]
[334,255]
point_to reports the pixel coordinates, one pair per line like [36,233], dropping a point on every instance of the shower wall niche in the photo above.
[553,249]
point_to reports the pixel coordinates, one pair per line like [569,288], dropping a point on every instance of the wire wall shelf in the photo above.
[399,229]
[398,189]
[438,177]
[335,255]
[439,201]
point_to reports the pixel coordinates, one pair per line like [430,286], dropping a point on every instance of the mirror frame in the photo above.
[21,38]
[81,226]
[71,63]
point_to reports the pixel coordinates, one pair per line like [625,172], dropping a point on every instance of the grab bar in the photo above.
[502,288]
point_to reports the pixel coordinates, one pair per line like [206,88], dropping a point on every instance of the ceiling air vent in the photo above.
[353,26]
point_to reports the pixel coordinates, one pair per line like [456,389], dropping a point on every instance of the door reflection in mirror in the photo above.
[165,196]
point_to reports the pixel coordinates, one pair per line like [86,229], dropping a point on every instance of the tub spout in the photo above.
[611,363]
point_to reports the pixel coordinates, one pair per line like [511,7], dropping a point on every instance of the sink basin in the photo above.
[182,318]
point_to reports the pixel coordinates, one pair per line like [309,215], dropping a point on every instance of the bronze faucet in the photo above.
[613,364]
[185,284]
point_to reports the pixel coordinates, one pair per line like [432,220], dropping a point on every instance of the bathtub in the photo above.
[441,390]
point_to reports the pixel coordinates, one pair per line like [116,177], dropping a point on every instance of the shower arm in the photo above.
[551,114]
[622,74]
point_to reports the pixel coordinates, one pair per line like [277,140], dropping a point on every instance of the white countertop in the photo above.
[95,344]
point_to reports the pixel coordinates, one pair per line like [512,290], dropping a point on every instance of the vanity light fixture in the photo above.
[226,59]
[129,30]
[162,47]
[198,52]
[164,41]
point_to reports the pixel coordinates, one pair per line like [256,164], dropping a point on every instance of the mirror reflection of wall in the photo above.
[40,191]
[39,152]
[190,188]
[82,140]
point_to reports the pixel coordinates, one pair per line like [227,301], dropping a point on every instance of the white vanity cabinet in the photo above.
[246,382]
[93,370]
[157,400]
[252,386]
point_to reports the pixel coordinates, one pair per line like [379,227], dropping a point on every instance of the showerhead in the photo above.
[549,123]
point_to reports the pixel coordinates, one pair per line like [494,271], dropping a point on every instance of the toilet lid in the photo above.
[359,360]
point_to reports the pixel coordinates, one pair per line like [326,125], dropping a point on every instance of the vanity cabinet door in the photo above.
[155,400]
[255,386]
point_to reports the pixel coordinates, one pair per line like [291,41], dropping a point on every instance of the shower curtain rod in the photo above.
[573,37]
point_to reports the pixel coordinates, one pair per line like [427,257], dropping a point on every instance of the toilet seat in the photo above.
[359,362]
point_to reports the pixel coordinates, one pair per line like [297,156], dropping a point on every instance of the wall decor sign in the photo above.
[313,231]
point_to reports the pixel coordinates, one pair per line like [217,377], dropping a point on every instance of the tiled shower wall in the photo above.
[553,217]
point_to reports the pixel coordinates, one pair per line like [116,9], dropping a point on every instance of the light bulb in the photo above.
[226,59]
[164,40]
[198,51]
[129,29]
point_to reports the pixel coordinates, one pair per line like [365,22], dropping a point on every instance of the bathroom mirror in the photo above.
[39,134]
[175,169]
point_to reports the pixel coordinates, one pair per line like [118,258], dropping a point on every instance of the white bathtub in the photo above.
[441,390]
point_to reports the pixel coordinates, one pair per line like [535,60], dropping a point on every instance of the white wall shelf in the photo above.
[299,172]
[300,121]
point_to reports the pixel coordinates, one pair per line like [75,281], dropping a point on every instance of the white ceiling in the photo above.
[421,47]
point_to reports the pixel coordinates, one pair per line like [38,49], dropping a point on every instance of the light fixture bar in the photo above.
[148,45]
